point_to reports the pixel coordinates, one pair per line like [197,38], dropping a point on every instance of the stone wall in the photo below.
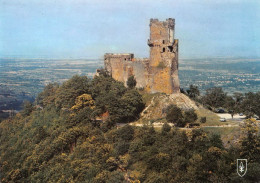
[122,66]
[159,73]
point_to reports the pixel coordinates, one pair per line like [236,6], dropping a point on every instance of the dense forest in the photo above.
[71,135]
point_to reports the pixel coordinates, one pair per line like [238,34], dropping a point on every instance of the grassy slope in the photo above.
[228,134]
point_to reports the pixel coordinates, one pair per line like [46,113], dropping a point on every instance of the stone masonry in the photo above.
[159,73]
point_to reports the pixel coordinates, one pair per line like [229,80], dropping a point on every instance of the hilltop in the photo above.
[71,136]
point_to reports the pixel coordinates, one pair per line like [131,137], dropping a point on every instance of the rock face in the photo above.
[159,73]
[158,105]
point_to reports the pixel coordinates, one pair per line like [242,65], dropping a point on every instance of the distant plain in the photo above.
[23,79]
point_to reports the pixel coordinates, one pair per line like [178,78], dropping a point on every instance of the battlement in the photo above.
[123,56]
[161,32]
[141,60]
[170,22]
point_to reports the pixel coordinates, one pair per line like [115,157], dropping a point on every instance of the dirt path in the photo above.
[159,125]
[228,116]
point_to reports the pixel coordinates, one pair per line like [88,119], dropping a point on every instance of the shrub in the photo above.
[131,82]
[203,119]
[161,65]
[166,128]
[126,133]
[121,147]
[190,116]
[27,108]
[174,115]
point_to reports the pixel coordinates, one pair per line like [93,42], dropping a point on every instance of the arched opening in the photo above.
[163,50]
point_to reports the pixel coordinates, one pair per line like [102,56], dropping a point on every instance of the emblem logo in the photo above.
[241,167]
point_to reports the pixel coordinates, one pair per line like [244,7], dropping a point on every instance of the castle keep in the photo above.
[159,73]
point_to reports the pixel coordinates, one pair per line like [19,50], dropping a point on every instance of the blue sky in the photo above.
[88,29]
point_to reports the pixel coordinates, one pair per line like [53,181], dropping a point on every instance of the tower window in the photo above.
[163,50]
[163,41]
[170,48]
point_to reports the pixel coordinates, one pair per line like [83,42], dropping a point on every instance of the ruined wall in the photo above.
[116,65]
[122,66]
[159,73]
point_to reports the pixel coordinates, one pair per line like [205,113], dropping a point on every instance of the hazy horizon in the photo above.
[17,57]
[87,29]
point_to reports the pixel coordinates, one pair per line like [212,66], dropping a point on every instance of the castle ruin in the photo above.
[159,73]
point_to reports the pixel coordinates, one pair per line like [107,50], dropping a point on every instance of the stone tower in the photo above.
[159,73]
[163,57]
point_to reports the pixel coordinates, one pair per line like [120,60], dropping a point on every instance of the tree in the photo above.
[103,72]
[215,140]
[174,115]
[27,108]
[257,104]
[214,97]
[48,95]
[249,148]
[121,147]
[133,104]
[84,100]
[251,104]
[250,143]
[182,90]
[131,82]
[68,92]
[125,133]
[193,92]
[113,97]
[230,105]
[166,128]
[102,86]
[238,98]
[190,116]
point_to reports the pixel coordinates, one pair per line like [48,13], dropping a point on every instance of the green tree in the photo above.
[133,105]
[249,148]
[107,93]
[230,105]
[215,141]
[84,100]
[131,82]
[47,96]
[193,92]
[113,97]
[238,97]
[27,108]
[190,116]
[125,133]
[250,143]
[103,72]
[70,90]
[251,104]
[214,97]
[203,119]
[174,115]
[166,128]
[121,147]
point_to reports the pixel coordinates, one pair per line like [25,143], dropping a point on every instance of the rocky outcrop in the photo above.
[159,103]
